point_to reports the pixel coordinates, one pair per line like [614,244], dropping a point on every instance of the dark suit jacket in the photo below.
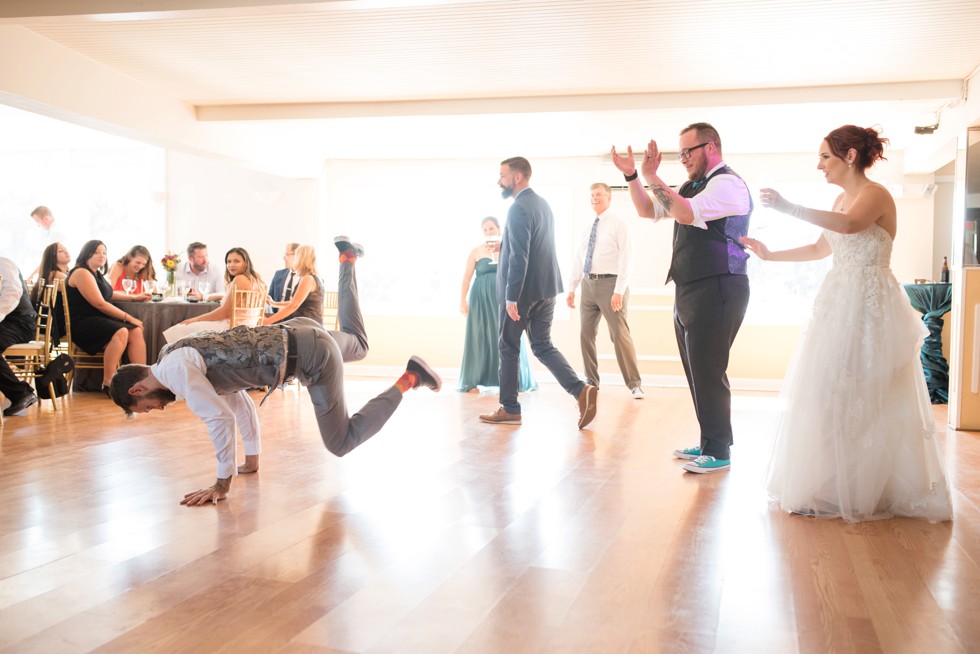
[528,269]
[277,284]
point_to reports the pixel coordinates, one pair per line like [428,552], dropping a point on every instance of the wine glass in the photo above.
[493,244]
[129,285]
[202,288]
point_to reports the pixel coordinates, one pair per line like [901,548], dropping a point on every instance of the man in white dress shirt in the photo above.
[212,371]
[17,321]
[602,265]
[45,235]
[197,269]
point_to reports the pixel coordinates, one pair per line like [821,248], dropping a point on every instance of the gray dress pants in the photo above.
[320,367]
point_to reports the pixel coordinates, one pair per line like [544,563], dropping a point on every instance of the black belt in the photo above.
[291,356]
[599,276]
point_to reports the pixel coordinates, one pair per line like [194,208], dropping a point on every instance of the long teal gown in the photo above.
[481,358]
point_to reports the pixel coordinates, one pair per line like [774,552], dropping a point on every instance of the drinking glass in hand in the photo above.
[493,245]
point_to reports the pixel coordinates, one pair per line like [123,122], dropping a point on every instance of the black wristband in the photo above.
[630,178]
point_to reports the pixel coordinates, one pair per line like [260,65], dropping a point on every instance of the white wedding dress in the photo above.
[857,438]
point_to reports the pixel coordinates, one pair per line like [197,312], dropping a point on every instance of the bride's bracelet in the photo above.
[796,210]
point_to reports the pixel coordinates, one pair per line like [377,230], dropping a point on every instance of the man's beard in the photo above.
[506,191]
[161,394]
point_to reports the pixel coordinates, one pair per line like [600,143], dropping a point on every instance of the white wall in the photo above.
[225,206]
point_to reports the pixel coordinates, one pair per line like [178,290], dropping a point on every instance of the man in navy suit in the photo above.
[277,287]
[528,280]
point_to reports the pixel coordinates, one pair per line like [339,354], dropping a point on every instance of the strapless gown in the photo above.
[857,438]
[481,357]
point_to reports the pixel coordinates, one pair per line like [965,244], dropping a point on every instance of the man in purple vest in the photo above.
[710,213]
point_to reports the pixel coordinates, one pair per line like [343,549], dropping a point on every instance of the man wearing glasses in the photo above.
[711,213]
[283,280]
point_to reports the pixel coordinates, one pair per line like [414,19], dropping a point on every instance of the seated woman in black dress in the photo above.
[307,299]
[97,325]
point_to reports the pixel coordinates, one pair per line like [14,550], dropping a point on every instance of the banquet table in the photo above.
[157,317]
[933,301]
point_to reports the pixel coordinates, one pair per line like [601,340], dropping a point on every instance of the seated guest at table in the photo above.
[16,326]
[97,325]
[137,264]
[54,265]
[307,300]
[241,276]
[198,270]
[284,278]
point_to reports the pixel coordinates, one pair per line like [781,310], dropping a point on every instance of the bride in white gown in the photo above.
[857,438]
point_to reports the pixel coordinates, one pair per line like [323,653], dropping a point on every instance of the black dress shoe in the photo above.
[344,244]
[20,404]
[427,376]
[105,389]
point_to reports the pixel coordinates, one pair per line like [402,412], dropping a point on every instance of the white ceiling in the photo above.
[306,81]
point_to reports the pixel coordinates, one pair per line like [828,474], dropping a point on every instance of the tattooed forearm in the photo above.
[663,197]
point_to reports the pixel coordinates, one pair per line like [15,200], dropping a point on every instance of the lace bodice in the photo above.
[872,247]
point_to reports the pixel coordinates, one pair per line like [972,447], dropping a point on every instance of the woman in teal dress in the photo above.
[481,358]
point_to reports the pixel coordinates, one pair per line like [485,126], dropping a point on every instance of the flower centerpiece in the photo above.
[170,261]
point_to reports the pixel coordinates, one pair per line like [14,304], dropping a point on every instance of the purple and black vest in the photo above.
[701,253]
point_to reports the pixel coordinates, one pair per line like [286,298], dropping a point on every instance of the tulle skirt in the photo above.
[857,438]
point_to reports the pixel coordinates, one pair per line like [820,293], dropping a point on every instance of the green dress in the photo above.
[481,358]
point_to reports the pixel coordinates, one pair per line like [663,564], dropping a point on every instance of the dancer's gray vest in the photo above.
[700,253]
[239,358]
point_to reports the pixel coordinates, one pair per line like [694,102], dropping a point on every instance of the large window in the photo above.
[97,187]
[419,246]
[783,292]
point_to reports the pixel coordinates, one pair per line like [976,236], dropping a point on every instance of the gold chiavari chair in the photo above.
[247,307]
[26,359]
[330,310]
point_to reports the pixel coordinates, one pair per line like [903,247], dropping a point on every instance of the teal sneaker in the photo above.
[705,463]
[688,454]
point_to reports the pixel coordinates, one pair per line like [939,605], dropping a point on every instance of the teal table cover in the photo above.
[933,301]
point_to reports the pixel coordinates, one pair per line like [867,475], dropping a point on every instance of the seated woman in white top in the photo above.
[307,300]
[239,275]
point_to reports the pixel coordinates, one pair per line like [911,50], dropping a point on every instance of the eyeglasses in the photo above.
[684,155]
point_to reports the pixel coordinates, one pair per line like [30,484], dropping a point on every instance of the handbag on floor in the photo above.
[52,377]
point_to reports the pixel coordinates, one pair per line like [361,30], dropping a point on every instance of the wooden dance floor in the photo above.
[443,534]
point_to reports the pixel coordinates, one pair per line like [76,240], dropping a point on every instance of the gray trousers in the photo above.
[320,367]
[596,303]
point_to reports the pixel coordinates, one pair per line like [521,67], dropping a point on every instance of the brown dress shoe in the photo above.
[501,417]
[587,405]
